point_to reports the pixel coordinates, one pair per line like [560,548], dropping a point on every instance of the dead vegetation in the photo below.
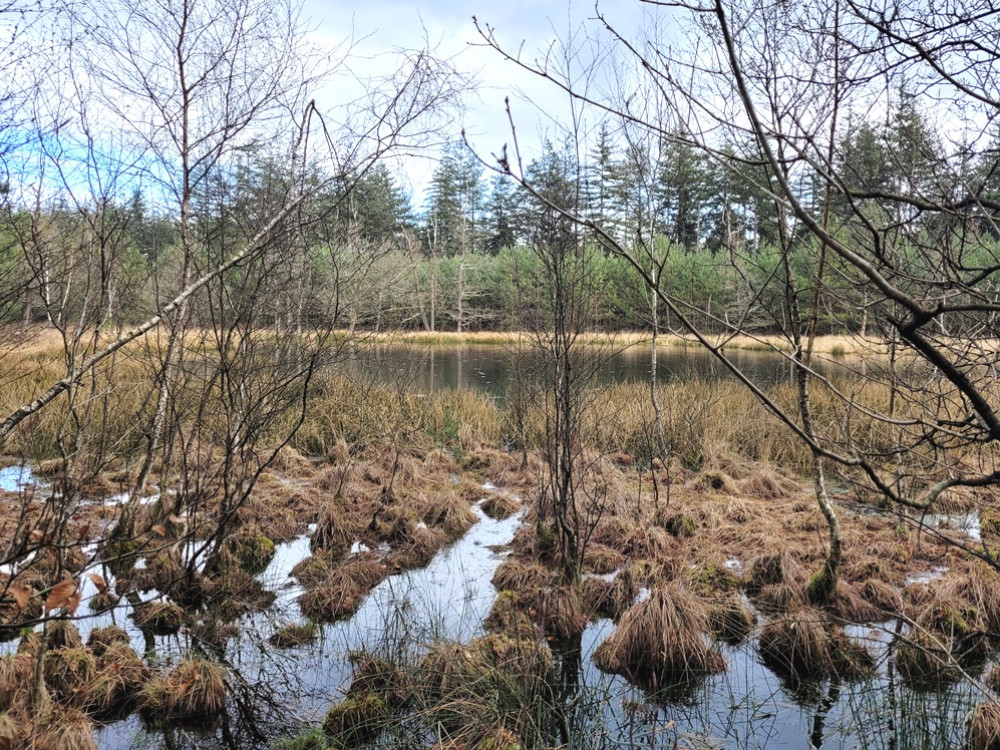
[194,690]
[804,644]
[732,524]
[661,641]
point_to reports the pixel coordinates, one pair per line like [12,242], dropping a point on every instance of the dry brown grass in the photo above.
[984,727]
[561,613]
[500,505]
[509,614]
[609,598]
[119,680]
[67,729]
[804,644]
[924,662]
[730,620]
[424,542]
[68,672]
[473,691]
[517,574]
[15,677]
[194,690]
[294,634]
[601,559]
[159,618]
[661,640]
[341,592]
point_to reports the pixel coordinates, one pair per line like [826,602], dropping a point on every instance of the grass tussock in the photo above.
[67,729]
[293,635]
[561,613]
[100,639]
[924,663]
[119,680]
[194,690]
[661,641]
[516,574]
[984,727]
[470,691]
[68,672]
[803,644]
[356,721]
[500,505]
[609,599]
[731,620]
[602,560]
[340,594]
[158,618]
[510,614]
[15,675]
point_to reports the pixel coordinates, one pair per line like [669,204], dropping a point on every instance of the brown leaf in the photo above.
[60,595]
[73,602]
[36,535]
[159,530]
[22,593]
[99,581]
[177,519]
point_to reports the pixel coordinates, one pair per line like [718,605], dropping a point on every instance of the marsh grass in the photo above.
[661,641]
[67,729]
[194,690]
[804,644]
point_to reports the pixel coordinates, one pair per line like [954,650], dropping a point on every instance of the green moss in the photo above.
[509,615]
[709,579]
[294,634]
[822,586]
[252,552]
[989,522]
[120,555]
[310,739]
[957,622]
[356,721]
[680,526]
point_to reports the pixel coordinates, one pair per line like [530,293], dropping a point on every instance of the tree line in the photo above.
[464,260]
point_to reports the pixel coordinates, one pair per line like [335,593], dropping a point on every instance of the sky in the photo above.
[379,28]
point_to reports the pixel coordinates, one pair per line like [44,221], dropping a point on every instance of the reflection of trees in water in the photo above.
[490,368]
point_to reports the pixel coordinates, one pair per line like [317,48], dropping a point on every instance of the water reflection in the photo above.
[490,368]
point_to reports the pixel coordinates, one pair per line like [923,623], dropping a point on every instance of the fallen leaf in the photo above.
[60,595]
[99,581]
[36,535]
[177,519]
[72,603]
[22,593]
[159,530]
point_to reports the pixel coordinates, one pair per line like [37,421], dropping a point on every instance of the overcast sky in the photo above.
[446,25]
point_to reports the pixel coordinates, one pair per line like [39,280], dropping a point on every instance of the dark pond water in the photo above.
[491,368]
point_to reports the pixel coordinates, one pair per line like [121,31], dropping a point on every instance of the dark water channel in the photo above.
[491,368]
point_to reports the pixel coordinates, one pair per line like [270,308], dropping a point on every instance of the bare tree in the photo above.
[917,251]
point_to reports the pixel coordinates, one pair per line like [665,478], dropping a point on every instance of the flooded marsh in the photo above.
[409,593]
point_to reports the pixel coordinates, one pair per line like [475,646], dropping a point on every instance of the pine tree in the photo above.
[456,202]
